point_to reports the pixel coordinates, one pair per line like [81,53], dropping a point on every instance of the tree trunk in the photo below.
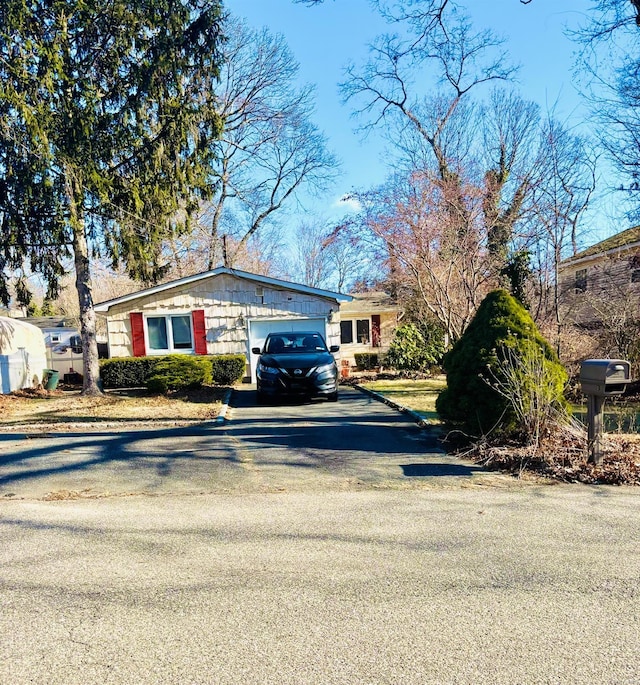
[90,366]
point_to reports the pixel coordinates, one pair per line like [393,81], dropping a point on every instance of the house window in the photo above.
[346,332]
[170,333]
[635,276]
[362,331]
[581,280]
[55,338]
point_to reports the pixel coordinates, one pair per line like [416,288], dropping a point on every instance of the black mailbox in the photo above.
[604,377]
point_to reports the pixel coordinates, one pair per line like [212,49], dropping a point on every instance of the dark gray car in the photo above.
[296,365]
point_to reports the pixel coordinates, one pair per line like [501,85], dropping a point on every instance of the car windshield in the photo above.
[285,343]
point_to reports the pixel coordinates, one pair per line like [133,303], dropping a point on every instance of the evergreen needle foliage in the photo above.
[106,123]
[502,375]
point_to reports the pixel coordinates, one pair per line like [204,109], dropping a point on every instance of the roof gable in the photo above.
[255,278]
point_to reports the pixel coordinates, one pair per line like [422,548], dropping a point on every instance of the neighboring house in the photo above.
[63,343]
[367,324]
[603,281]
[22,355]
[223,311]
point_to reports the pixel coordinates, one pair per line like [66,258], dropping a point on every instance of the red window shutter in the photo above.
[199,331]
[375,330]
[137,334]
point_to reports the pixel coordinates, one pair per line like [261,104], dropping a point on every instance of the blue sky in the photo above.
[326,38]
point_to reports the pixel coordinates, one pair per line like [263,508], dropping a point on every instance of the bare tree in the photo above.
[447,131]
[432,255]
[269,148]
[562,189]
[311,263]
[326,256]
[611,66]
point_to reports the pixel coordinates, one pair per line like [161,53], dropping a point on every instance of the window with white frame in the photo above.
[171,333]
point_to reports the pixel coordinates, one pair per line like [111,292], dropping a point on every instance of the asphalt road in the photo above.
[310,572]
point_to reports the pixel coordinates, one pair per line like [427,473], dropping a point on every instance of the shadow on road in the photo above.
[357,434]
[439,469]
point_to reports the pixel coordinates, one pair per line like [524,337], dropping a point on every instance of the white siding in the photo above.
[228,303]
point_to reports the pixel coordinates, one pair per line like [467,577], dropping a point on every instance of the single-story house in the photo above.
[367,324]
[63,343]
[223,311]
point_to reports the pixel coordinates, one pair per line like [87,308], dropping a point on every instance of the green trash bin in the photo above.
[51,380]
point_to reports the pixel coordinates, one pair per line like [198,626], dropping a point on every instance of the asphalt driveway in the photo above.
[356,442]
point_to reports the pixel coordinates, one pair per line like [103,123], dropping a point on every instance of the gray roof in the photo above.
[619,241]
[372,302]
[46,322]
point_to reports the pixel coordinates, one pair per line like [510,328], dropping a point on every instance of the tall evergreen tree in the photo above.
[106,120]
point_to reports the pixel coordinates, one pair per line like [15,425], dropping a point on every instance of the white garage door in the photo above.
[258,331]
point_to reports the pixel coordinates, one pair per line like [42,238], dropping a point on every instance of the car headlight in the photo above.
[326,369]
[267,370]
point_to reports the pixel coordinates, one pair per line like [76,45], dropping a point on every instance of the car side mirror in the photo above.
[256,350]
[334,348]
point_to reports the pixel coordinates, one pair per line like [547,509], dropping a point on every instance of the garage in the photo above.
[260,328]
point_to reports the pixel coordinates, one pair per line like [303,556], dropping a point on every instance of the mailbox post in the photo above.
[599,379]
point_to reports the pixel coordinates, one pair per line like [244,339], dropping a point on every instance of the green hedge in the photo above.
[179,372]
[366,360]
[127,372]
[134,372]
[228,369]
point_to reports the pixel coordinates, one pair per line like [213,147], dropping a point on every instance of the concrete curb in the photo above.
[222,415]
[421,421]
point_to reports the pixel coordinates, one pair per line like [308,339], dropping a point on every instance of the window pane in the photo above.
[346,332]
[581,280]
[362,327]
[157,330]
[181,329]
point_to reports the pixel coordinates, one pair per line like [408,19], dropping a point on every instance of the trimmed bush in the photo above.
[127,372]
[365,361]
[179,372]
[135,372]
[228,369]
[490,370]
[411,350]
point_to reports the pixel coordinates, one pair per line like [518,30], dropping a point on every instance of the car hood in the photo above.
[297,360]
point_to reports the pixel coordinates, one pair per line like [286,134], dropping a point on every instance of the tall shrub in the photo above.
[496,372]
[416,349]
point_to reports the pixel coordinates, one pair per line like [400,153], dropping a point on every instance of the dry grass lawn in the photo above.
[418,395]
[35,410]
